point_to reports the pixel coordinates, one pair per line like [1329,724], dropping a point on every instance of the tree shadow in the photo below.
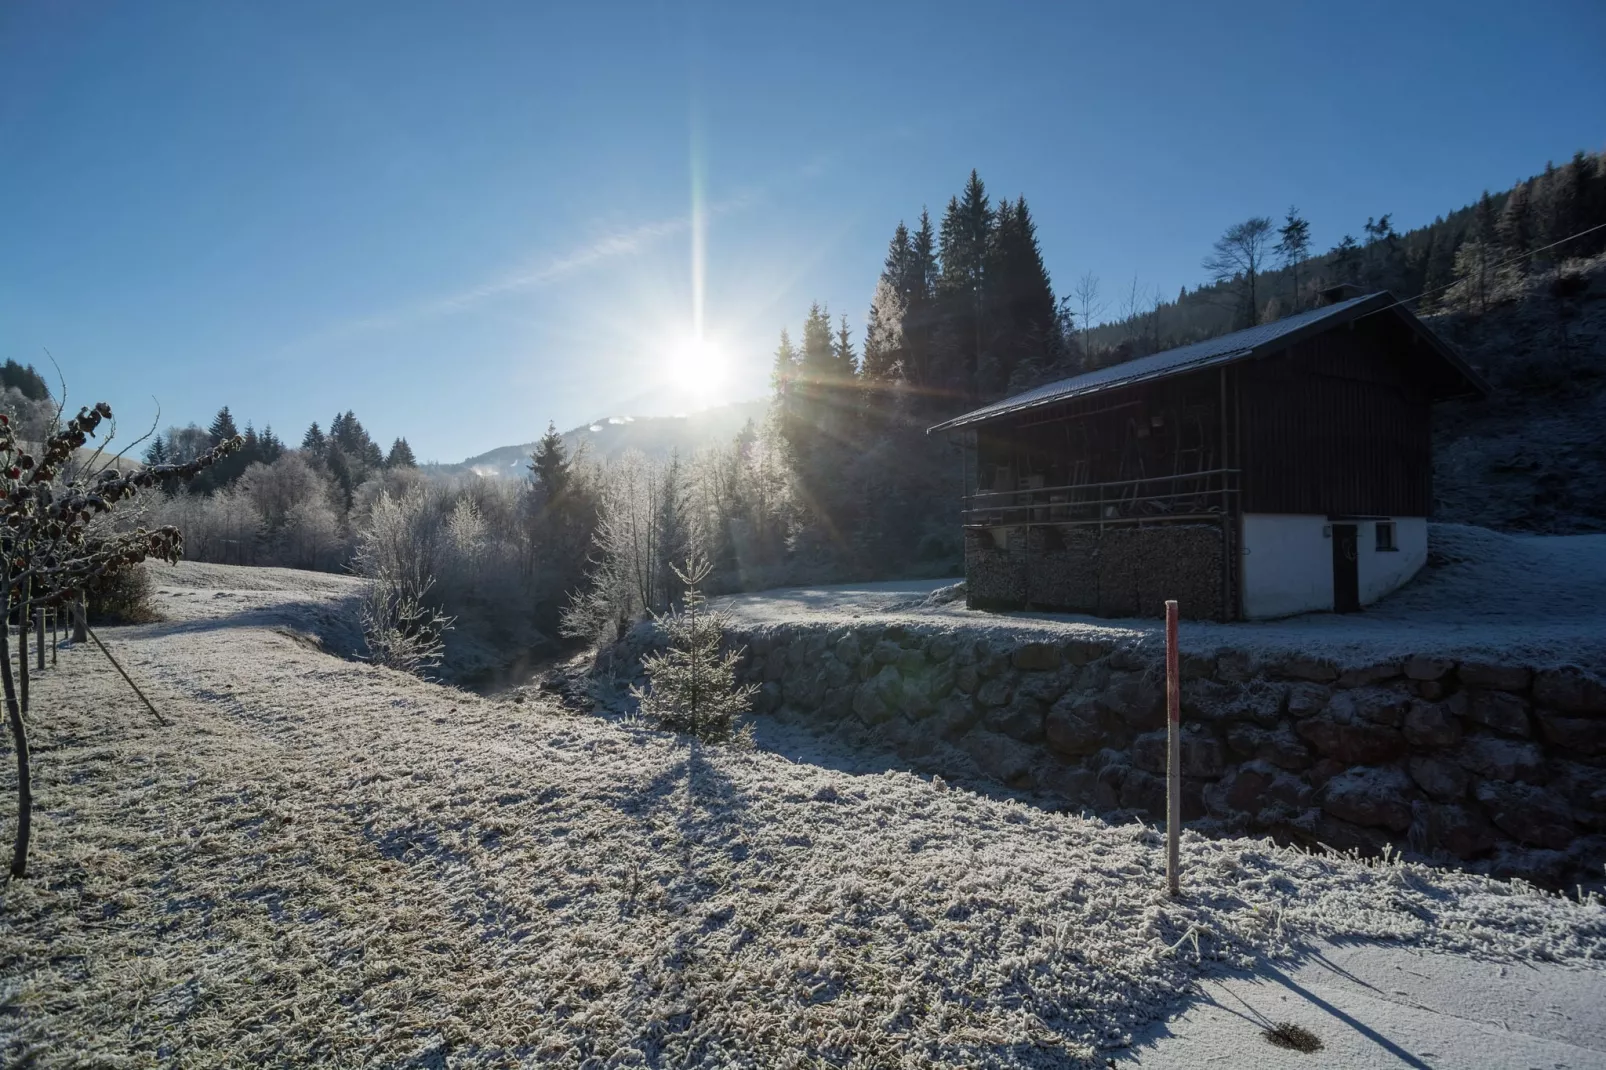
[710,821]
[333,624]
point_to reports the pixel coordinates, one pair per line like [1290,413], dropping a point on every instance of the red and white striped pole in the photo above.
[1173,780]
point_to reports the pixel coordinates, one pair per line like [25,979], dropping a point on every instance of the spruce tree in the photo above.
[222,428]
[1293,246]
[845,359]
[156,452]
[1515,228]
[314,441]
[691,686]
[400,455]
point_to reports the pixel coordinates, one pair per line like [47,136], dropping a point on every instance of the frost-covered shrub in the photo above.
[691,686]
[395,554]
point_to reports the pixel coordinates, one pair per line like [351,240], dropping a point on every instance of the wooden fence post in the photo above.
[39,635]
[80,622]
[1173,783]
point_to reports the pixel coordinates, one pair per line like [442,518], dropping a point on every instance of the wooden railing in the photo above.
[1191,496]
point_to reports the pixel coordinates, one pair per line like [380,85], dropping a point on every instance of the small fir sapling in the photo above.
[691,686]
[47,557]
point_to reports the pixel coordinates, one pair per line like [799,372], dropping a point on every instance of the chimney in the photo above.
[1332,295]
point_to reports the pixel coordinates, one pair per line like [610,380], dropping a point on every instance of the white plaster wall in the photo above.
[1381,571]
[1287,565]
[1288,561]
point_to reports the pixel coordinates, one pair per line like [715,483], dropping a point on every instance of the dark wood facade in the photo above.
[1333,419]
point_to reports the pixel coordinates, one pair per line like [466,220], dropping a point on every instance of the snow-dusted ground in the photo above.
[1534,599]
[322,862]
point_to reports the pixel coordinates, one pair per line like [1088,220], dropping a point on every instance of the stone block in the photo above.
[1315,670]
[1572,690]
[1429,725]
[994,692]
[953,717]
[1136,699]
[1036,657]
[942,647]
[966,679]
[1201,754]
[1373,705]
[1085,651]
[1423,668]
[1500,759]
[1370,798]
[1307,700]
[1366,675]
[1352,743]
[1234,667]
[911,661]
[1439,778]
[1046,687]
[1529,815]
[848,651]
[1455,829]
[1279,746]
[999,757]
[1581,735]
[1145,792]
[1500,710]
[1021,720]
[1073,727]
[1074,784]
[886,652]
[1491,677]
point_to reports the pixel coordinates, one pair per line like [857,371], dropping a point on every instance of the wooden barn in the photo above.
[1277,470]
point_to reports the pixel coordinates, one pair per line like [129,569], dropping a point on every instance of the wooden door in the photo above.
[1346,570]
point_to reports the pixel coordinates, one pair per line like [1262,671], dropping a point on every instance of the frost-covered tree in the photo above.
[691,686]
[48,554]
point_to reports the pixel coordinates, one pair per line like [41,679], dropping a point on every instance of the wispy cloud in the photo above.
[532,275]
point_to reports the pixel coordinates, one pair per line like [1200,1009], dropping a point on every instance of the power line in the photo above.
[1490,267]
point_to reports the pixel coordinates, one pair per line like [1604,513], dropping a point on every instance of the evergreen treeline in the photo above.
[1461,261]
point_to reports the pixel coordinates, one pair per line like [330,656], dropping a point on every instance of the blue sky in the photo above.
[462,220]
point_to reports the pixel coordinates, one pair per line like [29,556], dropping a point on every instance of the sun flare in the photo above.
[697,365]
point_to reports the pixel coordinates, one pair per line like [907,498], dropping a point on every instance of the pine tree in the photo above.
[846,360]
[222,428]
[962,287]
[691,686]
[1346,258]
[269,446]
[400,455]
[1293,246]
[1515,229]
[314,441]
[156,452]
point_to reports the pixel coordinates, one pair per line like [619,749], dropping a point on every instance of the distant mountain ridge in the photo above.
[610,436]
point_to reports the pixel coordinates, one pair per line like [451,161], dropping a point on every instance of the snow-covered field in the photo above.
[322,862]
[1510,598]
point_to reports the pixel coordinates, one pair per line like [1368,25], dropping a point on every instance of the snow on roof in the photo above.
[1239,345]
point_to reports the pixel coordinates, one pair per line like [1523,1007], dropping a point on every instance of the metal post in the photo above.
[1173,784]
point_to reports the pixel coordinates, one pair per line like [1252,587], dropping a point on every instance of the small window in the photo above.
[1385,535]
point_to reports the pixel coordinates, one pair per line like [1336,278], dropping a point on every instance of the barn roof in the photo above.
[1227,349]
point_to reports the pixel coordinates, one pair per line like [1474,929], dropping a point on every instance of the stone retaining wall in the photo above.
[1119,571]
[1499,768]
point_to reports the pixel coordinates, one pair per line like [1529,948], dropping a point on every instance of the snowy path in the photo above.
[322,862]
[1375,1006]
[1538,599]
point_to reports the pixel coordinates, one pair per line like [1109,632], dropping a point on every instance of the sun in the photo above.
[697,365]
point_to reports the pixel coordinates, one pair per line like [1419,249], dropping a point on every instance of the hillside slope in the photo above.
[611,436]
[1533,456]
[322,862]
